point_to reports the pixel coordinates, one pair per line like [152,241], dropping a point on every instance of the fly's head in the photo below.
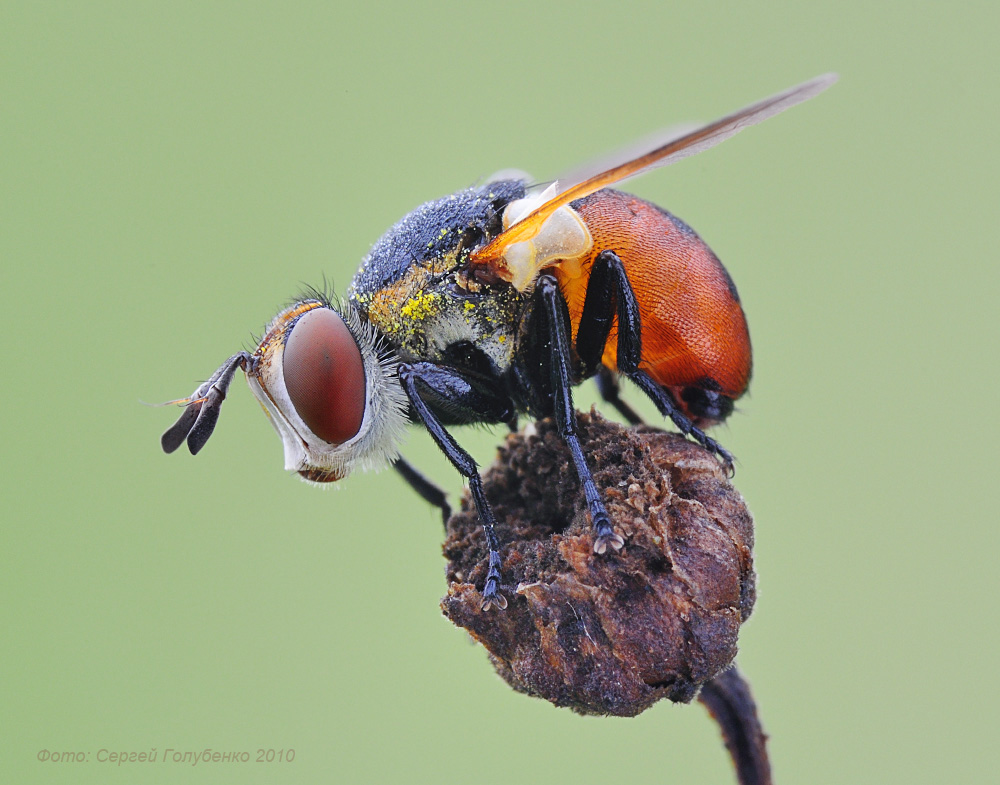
[328,386]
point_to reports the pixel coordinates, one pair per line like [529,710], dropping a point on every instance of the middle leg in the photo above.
[557,318]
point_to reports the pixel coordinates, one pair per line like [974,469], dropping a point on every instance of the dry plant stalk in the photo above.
[611,634]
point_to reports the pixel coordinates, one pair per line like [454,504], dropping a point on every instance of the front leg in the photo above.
[420,379]
[425,488]
[557,321]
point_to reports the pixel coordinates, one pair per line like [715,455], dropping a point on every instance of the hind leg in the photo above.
[610,295]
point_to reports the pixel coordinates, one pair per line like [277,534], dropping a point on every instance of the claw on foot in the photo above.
[608,537]
[725,457]
[492,597]
[491,593]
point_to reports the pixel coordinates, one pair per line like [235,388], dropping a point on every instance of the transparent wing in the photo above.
[675,146]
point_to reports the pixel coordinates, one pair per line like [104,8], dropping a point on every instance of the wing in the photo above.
[673,148]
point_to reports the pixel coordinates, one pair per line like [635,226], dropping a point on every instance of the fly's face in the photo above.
[329,392]
[329,389]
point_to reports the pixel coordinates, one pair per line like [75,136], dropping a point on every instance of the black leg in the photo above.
[607,386]
[601,304]
[462,399]
[668,408]
[609,293]
[595,323]
[557,318]
[427,490]
[410,376]
[202,408]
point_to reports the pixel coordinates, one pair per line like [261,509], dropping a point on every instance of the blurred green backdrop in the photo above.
[173,172]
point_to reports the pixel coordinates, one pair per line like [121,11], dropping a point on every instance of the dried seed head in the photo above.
[612,633]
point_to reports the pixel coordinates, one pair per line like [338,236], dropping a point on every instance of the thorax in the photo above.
[434,307]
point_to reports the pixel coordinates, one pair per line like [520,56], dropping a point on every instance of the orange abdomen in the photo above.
[693,327]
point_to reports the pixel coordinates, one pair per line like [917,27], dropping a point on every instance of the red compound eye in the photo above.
[325,375]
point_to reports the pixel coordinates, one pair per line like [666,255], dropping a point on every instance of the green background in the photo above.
[172,173]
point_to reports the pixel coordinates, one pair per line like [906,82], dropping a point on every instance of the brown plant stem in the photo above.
[727,698]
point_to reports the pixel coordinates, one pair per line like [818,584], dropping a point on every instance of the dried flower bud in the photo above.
[612,633]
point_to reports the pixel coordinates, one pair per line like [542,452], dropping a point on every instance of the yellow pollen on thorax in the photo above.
[420,306]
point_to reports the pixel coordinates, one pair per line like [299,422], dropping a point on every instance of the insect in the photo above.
[494,302]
